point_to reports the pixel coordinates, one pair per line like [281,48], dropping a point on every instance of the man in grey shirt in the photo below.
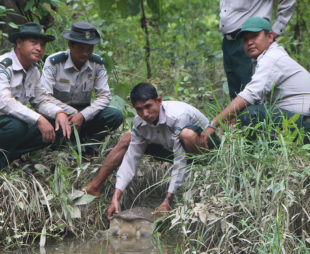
[279,85]
[237,64]
[71,77]
[166,129]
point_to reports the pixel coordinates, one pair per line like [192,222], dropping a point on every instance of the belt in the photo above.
[232,36]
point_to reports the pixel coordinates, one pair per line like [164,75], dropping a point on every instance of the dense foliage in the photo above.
[242,198]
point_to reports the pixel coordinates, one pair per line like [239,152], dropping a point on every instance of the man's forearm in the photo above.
[237,105]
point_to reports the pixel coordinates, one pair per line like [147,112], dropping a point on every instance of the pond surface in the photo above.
[113,246]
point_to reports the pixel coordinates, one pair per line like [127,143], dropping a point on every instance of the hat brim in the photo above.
[242,32]
[94,41]
[45,37]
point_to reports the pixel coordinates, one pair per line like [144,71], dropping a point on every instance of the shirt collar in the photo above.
[273,45]
[69,63]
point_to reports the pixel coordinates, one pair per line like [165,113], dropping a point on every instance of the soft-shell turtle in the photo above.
[136,222]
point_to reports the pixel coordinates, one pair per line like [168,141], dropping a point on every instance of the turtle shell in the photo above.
[137,213]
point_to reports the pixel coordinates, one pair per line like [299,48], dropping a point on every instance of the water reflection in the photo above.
[110,246]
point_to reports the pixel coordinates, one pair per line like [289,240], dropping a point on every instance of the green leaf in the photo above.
[155,6]
[13,25]
[118,102]
[105,5]
[55,2]
[29,5]
[2,9]
[122,6]
[122,90]
[85,199]
[108,63]
[134,7]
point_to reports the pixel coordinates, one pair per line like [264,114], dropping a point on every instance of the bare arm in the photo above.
[236,105]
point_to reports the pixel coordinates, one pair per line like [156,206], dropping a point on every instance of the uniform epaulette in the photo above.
[97,59]
[6,62]
[61,57]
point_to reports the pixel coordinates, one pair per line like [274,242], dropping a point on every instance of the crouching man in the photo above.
[23,129]
[166,129]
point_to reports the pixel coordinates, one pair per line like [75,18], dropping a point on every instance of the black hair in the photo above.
[143,92]
[266,31]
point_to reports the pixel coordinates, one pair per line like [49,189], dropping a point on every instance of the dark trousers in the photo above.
[274,117]
[162,154]
[106,120]
[237,65]
[16,138]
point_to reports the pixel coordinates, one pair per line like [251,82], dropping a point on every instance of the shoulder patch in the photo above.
[97,59]
[59,58]
[6,62]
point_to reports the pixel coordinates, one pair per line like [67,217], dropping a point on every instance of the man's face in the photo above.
[256,43]
[30,50]
[80,53]
[148,110]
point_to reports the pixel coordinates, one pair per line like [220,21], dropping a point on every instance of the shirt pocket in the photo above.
[240,5]
[62,90]
[87,89]
[17,87]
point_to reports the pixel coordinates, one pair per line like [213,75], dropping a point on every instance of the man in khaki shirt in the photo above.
[21,128]
[72,76]
[237,64]
[279,87]
[164,129]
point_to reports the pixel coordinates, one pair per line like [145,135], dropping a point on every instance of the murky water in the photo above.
[113,246]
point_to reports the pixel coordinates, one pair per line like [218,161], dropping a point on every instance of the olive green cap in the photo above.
[254,24]
[82,32]
[31,29]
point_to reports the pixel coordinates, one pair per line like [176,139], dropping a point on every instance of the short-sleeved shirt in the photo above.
[281,80]
[73,87]
[173,117]
[18,87]
[235,12]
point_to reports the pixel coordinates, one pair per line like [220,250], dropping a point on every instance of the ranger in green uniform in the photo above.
[21,128]
[72,75]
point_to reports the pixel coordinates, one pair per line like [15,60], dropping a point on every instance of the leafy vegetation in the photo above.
[245,197]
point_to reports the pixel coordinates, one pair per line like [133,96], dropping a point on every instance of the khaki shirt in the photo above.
[72,87]
[281,80]
[235,12]
[18,87]
[173,117]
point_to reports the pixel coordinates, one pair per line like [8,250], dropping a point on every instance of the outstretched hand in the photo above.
[63,122]
[114,203]
[164,208]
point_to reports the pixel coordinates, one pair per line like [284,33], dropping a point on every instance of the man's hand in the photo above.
[114,203]
[164,208]
[63,122]
[46,129]
[77,119]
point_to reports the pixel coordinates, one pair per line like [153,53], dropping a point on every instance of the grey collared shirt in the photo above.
[279,79]
[233,13]
[173,117]
[72,87]
[18,87]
